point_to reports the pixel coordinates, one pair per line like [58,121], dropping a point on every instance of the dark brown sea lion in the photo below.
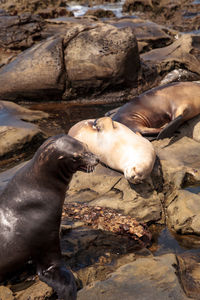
[31,208]
[162,110]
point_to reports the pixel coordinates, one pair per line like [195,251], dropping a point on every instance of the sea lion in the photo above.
[31,208]
[160,111]
[117,147]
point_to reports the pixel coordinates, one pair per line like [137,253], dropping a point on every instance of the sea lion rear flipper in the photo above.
[170,128]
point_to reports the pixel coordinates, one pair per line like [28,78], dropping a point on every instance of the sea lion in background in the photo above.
[31,208]
[160,111]
[117,147]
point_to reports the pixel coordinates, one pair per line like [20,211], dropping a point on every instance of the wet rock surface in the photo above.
[17,133]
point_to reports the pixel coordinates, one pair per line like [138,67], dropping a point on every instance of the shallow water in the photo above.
[63,115]
[164,241]
[80,10]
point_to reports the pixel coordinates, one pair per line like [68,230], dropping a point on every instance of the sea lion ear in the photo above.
[114,125]
[97,126]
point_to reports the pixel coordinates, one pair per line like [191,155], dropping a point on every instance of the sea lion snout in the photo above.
[88,162]
[133,175]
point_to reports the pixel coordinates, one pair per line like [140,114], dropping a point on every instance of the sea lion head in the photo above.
[135,175]
[140,167]
[66,155]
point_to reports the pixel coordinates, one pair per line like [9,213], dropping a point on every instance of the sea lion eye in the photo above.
[96,125]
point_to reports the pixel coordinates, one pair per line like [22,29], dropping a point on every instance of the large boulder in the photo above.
[75,60]
[149,35]
[100,57]
[37,73]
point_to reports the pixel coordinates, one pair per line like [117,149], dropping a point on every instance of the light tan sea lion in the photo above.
[160,111]
[117,147]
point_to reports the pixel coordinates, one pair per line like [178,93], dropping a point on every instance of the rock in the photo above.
[100,13]
[6,293]
[19,32]
[37,73]
[54,12]
[15,6]
[38,291]
[15,133]
[101,57]
[95,57]
[191,129]
[183,212]
[6,55]
[8,174]
[113,191]
[146,278]
[149,34]
[134,5]
[179,75]
[184,52]
[189,274]
[180,161]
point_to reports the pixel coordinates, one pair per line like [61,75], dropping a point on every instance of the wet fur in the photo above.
[31,209]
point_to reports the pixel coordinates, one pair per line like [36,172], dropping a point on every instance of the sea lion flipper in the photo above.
[170,128]
[61,280]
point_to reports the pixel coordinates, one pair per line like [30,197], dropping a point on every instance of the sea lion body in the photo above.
[162,110]
[117,147]
[31,208]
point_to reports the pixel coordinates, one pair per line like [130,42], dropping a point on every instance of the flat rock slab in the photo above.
[15,132]
[146,278]
[112,190]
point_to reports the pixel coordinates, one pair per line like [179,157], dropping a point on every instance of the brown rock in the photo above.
[16,134]
[189,274]
[185,51]
[38,291]
[19,32]
[36,73]
[6,293]
[149,34]
[100,13]
[101,57]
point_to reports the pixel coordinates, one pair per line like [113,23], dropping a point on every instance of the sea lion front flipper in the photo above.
[61,280]
[170,128]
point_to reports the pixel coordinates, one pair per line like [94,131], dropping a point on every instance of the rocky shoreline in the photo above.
[49,59]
